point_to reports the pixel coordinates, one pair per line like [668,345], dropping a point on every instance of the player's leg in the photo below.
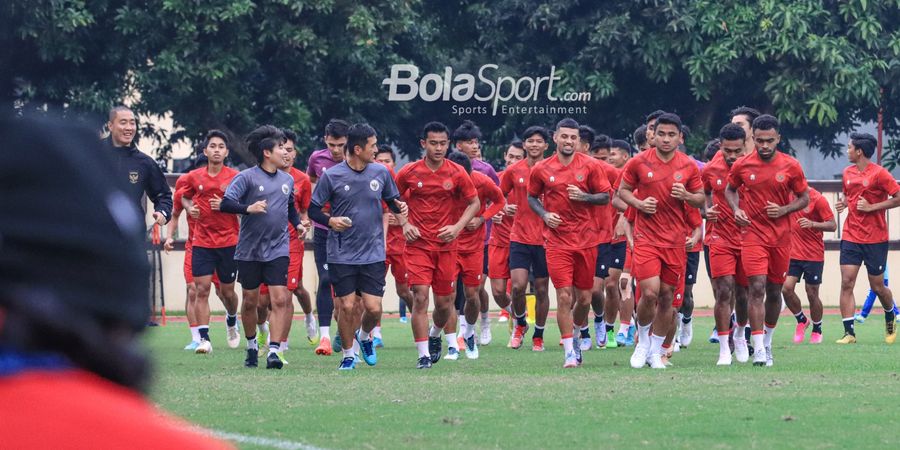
[250,276]
[627,327]
[723,287]
[541,294]
[792,300]
[876,260]
[203,267]
[611,307]
[519,265]
[485,336]
[851,259]
[226,271]
[813,277]
[686,311]
[324,300]
[371,285]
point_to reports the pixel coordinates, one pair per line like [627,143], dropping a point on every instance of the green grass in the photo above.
[824,396]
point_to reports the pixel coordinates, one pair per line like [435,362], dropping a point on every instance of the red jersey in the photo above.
[776,181]
[302,196]
[693,219]
[615,213]
[500,231]
[807,244]
[549,178]
[527,227]
[434,198]
[652,177]
[470,241]
[607,215]
[875,184]
[180,185]
[722,231]
[214,229]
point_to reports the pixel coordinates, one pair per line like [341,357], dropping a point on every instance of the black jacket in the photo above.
[141,175]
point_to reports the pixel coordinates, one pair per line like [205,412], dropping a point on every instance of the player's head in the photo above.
[744,116]
[514,153]
[362,142]
[537,140]
[463,160]
[266,143]
[386,156]
[650,123]
[215,147]
[586,136]
[122,126]
[765,136]
[732,142]
[639,136]
[566,136]
[619,152]
[712,147]
[600,147]
[668,132]
[435,141]
[861,145]
[467,138]
[290,146]
[336,138]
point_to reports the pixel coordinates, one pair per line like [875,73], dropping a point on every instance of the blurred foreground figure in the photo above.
[73,287]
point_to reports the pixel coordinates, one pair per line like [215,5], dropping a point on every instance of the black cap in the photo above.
[66,227]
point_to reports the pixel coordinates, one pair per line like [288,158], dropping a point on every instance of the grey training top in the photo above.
[263,237]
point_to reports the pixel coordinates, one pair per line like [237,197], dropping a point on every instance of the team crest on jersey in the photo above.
[419,184]
[678,176]
[374,185]
[134,177]
[285,189]
[779,177]
[579,177]
[448,185]
[865,183]
[552,178]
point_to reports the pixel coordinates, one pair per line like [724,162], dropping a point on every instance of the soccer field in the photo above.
[824,396]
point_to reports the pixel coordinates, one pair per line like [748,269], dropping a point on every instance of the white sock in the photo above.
[738,333]
[347,352]
[758,341]
[363,336]
[252,344]
[202,327]
[195,334]
[644,333]
[263,329]
[422,347]
[623,327]
[325,332]
[656,343]
[724,348]
[434,332]
[470,330]
[568,346]
[463,326]
[355,347]
[451,341]
[768,336]
[485,317]
[283,346]
[273,349]
[375,332]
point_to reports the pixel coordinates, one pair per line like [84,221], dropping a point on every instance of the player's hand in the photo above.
[712,213]
[404,209]
[679,192]
[498,218]
[215,202]
[740,218]
[411,232]
[448,233]
[689,242]
[805,223]
[552,219]
[169,245]
[339,224]
[510,209]
[774,210]
[619,229]
[257,208]
[159,218]
[648,205]
[392,220]
[575,193]
[840,205]
[863,205]
[476,222]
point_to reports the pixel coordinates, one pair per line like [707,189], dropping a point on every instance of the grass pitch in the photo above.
[823,396]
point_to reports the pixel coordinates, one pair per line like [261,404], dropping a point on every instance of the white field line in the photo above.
[257,440]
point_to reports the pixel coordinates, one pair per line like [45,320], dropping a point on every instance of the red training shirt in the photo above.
[500,231]
[302,196]
[213,229]
[472,241]
[724,230]
[875,184]
[807,243]
[527,227]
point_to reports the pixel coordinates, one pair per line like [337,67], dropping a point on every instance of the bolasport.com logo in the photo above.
[406,83]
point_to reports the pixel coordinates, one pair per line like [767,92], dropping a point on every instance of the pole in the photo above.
[880,124]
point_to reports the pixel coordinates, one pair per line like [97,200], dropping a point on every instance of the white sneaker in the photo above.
[571,361]
[760,357]
[486,336]
[639,357]
[234,337]
[452,354]
[585,344]
[655,361]
[769,359]
[473,352]
[687,334]
[205,347]
[676,347]
[312,328]
[724,359]
[741,352]
[600,331]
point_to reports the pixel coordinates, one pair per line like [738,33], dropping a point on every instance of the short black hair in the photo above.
[289,135]
[265,137]
[462,159]
[654,115]
[386,149]
[686,131]
[116,109]
[670,119]
[712,147]
[337,128]
[536,129]
[640,136]
[622,144]
[751,113]
[434,127]
[586,134]
[358,134]
[765,122]
[466,132]
[601,142]
[517,143]
[732,132]
[865,142]
[568,122]
[215,133]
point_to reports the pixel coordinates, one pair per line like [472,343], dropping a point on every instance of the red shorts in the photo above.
[498,262]
[397,266]
[678,298]
[770,261]
[469,265]
[572,267]
[188,268]
[432,268]
[295,271]
[666,263]
[724,261]
[628,257]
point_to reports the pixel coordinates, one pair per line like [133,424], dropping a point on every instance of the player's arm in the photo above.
[576,194]
[828,225]
[232,202]
[734,200]
[695,237]
[893,200]
[626,193]
[800,201]
[159,193]
[695,199]
[497,202]
[450,232]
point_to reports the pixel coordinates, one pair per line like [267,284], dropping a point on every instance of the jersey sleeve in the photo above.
[693,217]
[599,180]
[401,180]
[506,182]
[536,181]
[310,167]
[693,183]
[734,175]
[323,191]
[237,189]
[495,196]
[798,179]
[304,194]
[389,191]
[629,173]
[823,209]
[187,189]
[888,183]
[465,187]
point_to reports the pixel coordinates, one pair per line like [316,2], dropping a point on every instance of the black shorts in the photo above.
[706,260]
[484,264]
[205,261]
[528,257]
[874,255]
[811,271]
[610,256]
[347,279]
[273,273]
[693,264]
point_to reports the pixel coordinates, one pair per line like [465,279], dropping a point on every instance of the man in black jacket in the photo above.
[140,171]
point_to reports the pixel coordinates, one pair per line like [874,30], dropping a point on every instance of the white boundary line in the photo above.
[257,440]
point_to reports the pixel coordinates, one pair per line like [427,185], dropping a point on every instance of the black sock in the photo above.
[230,320]
[275,346]
[801,318]
[747,334]
[538,333]
[817,327]
[889,316]
[848,327]
[204,333]
[585,333]
[402,308]
[686,319]
[520,321]
[610,327]
[598,319]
